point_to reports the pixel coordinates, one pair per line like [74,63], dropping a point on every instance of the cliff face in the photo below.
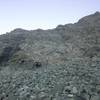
[68,55]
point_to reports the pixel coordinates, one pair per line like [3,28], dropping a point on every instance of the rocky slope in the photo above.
[58,64]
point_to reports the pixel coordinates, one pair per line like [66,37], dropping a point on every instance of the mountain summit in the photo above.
[91,19]
[56,64]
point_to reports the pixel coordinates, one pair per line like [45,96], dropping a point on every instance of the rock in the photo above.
[42,95]
[74,90]
[68,89]
[96,97]
[97,88]
[33,97]
[70,95]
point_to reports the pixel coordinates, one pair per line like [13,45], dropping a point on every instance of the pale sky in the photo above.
[45,14]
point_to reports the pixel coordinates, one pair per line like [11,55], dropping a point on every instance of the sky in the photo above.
[45,14]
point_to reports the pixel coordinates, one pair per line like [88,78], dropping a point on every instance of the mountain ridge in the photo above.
[62,32]
[54,64]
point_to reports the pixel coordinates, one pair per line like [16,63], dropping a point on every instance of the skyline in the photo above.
[44,14]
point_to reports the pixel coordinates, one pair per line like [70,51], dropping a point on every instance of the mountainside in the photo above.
[57,64]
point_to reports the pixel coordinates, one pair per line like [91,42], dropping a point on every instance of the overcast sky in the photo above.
[45,14]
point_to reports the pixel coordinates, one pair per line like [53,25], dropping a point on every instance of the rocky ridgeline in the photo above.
[58,64]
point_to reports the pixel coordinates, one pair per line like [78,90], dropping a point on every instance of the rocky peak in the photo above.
[97,13]
[90,19]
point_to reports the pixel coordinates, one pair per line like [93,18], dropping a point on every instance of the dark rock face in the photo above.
[58,64]
[8,53]
[5,54]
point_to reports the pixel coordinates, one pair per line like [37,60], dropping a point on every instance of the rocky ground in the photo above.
[70,81]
